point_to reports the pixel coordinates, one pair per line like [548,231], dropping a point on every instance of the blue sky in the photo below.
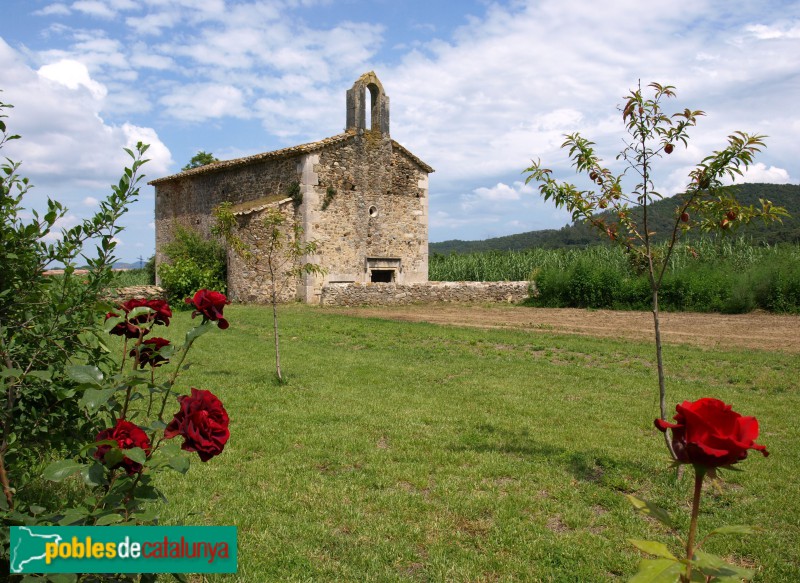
[477,89]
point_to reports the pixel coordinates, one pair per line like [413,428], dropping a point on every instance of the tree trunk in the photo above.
[662,391]
[275,330]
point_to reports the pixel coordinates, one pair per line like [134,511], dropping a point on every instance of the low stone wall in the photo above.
[391,294]
[150,292]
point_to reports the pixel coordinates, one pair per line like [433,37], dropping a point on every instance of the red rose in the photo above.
[202,422]
[123,328]
[160,315]
[210,304]
[127,435]
[708,433]
[149,352]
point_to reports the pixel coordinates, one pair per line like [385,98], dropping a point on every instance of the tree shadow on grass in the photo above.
[586,465]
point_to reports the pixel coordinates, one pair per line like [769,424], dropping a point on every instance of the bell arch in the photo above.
[367,100]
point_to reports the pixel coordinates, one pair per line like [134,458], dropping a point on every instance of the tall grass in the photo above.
[131,277]
[730,275]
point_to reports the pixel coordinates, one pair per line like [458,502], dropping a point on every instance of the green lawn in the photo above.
[413,452]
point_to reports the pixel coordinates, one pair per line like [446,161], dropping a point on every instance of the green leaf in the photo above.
[179,463]
[653,547]
[45,375]
[62,577]
[58,471]
[136,454]
[85,374]
[180,577]
[112,518]
[93,399]
[197,331]
[109,324]
[10,372]
[72,516]
[94,475]
[113,457]
[140,311]
[157,424]
[36,509]
[658,571]
[736,529]
[714,566]
[650,509]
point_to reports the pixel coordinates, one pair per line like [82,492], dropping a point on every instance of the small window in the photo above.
[381,275]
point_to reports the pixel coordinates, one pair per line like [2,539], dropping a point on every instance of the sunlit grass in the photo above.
[404,452]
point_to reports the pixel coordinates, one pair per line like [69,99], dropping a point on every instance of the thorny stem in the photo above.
[171,383]
[135,366]
[699,474]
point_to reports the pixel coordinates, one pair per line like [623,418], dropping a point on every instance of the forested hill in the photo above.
[661,217]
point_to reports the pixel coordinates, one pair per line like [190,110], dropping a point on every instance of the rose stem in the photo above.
[135,364]
[167,393]
[699,474]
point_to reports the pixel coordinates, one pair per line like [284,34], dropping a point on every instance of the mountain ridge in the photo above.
[661,215]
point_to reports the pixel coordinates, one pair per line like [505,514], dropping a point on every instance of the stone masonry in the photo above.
[391,294]
[362,197]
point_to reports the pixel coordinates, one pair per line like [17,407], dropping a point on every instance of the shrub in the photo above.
[195,263]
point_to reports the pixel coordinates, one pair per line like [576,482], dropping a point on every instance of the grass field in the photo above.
[412,452]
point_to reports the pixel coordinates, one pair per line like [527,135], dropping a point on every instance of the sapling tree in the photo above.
[619,206]
[283,253]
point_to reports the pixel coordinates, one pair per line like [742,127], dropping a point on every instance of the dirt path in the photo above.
[758,330]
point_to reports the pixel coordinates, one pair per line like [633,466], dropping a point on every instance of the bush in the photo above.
[150,270]
[195,263]
[48,324]
[725,275]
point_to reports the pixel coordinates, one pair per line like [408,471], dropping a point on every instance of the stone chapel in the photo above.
[360,195]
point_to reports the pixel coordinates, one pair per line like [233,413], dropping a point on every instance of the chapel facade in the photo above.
[360,195]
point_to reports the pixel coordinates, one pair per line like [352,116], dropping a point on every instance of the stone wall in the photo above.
[249,280]
[391,294]
[369,201]
[363,197]
[187,200]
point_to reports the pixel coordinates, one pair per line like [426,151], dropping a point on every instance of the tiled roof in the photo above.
[283,153]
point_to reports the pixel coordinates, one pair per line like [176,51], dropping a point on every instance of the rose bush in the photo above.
[202,422]
[158,312]
[150,352]
[709,433]
[118,465]
[127,435]
[209,304]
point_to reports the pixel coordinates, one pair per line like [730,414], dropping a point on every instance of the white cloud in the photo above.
[73,74]
[56,9]
[94,8]
[759,172]
[764,32]
[66,147]
[199,102]
[90,201]
[499,192]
